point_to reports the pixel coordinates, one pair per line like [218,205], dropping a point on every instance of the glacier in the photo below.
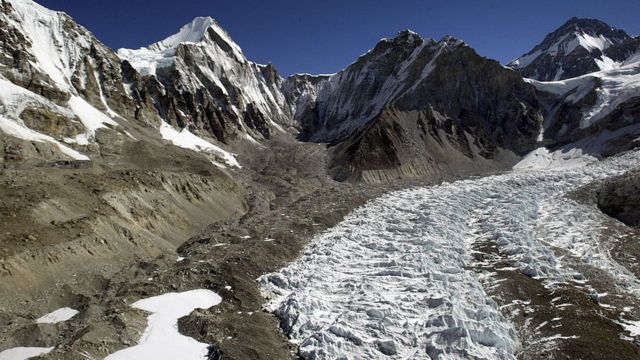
[396,278]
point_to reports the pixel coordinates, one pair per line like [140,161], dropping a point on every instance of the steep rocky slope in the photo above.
[578,47]
[591,102]
[91,177]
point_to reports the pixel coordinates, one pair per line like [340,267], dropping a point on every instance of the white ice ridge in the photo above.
[23,353]
[60,315]
[161,339]
[542,158]
[46,35]
[393,278]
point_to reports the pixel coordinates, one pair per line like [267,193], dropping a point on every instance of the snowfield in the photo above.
[615,86]
[396,278]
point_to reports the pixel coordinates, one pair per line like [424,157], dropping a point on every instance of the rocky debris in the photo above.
[45,121]
[98,233]
[579,47]
[226,258]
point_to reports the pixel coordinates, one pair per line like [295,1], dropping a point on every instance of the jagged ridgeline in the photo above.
[409,107]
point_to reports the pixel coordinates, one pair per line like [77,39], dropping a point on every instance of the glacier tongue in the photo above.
[392,279]
[396,277]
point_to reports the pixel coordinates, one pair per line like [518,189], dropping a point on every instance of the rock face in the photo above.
[588,78]
[578,47]
[60,85]
[620,198]
[412,107]
[49,54]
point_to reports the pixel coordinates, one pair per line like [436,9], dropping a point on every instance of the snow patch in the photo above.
[23,353]
[161,339]
[92,118]
[618,85]
[146,61]
[57,316]
[631,327]
[186,139]
[11,127]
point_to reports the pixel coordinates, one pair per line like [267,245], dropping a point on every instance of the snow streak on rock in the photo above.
[396,276]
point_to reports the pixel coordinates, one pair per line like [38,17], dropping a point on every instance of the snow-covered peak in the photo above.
[29,6]
[578,47]
[197,31]
[201,31]
[192,32]
[406,35]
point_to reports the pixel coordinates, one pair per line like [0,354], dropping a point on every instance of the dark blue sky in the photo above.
[325,36]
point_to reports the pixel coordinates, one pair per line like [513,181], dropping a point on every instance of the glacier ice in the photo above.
[395,278]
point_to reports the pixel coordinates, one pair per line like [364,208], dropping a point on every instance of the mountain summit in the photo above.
[578,47]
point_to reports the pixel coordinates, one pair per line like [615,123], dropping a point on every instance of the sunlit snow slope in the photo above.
[396,277]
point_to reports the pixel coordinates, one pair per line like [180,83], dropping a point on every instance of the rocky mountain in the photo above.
[407,108]
[578,47]
[66,92]
[208,83]
[587,75]
[412,107]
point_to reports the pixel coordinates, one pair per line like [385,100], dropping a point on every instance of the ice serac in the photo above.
[412,107]
[208,83]
[578,47]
